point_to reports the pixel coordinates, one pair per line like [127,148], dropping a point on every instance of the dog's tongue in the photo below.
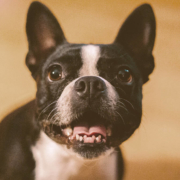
[89,129]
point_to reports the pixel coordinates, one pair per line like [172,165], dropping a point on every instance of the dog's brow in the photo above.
[69,57]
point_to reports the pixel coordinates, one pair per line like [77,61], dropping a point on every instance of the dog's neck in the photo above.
[54,161]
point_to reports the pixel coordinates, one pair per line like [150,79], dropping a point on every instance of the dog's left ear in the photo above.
[44,35]
[137,35]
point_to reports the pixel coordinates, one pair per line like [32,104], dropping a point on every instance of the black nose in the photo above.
[90,87]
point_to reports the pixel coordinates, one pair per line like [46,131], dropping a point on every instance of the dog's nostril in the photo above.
[80,86]
[99,86]
[90,87]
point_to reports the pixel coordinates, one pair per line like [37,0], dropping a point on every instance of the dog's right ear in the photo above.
[137,36]
[44,35]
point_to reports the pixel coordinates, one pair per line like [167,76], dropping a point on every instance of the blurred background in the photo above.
[153,152]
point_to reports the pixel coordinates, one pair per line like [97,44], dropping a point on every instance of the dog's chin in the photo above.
[90,151]
[89,136]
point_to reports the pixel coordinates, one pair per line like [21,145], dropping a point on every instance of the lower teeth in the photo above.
[91,139]
[68,132]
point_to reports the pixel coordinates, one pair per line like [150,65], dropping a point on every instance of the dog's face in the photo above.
[89,96]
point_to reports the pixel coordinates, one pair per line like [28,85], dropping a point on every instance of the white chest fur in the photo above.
[56,162]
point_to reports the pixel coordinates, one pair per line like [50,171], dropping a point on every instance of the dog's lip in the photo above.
[85,133]
[88,128]
[68,134]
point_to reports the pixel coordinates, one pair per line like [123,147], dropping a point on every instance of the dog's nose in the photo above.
[90,87]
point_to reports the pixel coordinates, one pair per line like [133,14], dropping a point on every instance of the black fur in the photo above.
[132,49]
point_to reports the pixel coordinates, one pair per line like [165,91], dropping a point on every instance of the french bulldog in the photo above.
[88,101]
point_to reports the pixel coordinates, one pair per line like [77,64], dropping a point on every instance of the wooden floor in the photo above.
[153,152]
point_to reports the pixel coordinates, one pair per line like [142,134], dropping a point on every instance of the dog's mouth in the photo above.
[90,129]
[89,132]
[90,135]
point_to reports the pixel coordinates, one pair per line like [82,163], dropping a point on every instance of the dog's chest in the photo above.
[54,162]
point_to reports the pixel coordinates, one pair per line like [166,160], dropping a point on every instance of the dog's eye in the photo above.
[124,75]
[55,73]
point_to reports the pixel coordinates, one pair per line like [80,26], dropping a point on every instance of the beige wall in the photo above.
[153,153]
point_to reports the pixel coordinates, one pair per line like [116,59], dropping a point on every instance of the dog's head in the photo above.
[89,96]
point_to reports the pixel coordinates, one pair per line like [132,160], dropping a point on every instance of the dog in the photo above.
[88,101]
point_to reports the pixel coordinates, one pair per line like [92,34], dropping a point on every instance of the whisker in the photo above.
[44,109]
[51,120]
[123,107]
[52,112]
[121,118]
[128,102]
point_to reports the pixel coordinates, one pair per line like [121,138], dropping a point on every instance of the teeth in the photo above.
[77,137]
[80,138]
[98,139]
[67,131]
[90,139]
[94,137]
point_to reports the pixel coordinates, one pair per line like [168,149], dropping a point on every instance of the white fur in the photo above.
[90,55]
[65,113]
[56,162]
[64,104]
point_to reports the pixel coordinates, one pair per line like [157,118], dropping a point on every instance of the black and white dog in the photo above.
[89,100]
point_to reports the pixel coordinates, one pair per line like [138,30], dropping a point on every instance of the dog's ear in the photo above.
[137,35]
[44,35]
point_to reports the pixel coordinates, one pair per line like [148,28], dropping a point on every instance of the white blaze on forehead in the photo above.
[90,55]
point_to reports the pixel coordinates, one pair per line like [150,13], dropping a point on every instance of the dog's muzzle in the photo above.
[83,111]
